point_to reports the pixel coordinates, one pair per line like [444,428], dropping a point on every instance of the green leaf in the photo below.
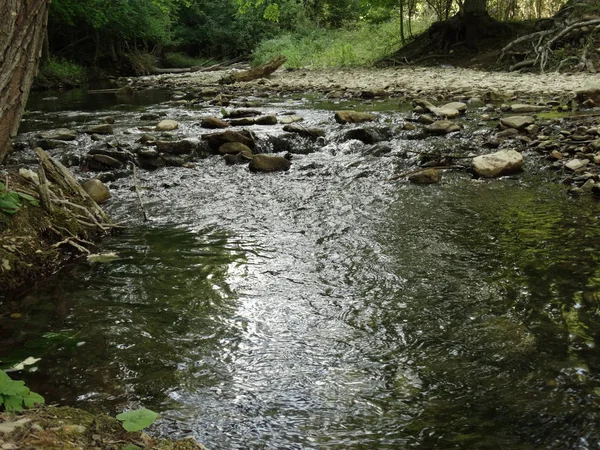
[34,201]
[33,399]
[131,447]
[9,206]
[13,403]
[2,186]
[138,419]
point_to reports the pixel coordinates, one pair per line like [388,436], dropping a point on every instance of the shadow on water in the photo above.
[129,329]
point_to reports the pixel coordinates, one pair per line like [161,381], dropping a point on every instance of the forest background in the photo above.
[96,38]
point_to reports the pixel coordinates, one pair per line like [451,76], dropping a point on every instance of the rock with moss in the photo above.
[428,176]
[215,140]
[233,148]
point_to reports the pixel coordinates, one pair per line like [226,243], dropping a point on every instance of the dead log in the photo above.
[159,71]
[257,72]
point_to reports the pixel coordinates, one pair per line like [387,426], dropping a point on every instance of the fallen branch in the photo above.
[257,72]
[137,191]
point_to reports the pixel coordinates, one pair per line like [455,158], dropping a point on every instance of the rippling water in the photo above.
[329,308]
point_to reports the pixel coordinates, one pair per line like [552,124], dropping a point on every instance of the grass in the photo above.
[360,46]
[62,73]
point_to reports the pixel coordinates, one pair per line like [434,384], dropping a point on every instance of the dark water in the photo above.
[329,308]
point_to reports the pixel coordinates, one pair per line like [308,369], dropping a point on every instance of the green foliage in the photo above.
[180,60]
[15,396]
[11,201]
[137,419]
[320,48]
[61,72]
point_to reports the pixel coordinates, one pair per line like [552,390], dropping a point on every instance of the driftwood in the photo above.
[68,187]
[257,72]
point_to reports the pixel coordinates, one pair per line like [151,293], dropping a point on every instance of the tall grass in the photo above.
[361,45]
[60,72]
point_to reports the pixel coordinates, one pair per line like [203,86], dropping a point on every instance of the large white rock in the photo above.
[167,125]
[496,164]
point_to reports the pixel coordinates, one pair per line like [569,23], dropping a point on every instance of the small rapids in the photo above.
[327,307]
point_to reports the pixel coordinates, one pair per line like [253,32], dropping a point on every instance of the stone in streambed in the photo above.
[213,122]
[103,128]
[517,122]
[266,120]
[428,176]
[520,108]
[344,117]
[442,127]
[304,131]
[167,125]
[504,162]
[97,190]
[233,148]
[215,140]
[269,163]
[176,147]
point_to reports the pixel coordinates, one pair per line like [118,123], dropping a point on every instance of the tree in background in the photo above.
[22,29]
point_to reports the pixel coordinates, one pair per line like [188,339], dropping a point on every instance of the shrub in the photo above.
[60,72]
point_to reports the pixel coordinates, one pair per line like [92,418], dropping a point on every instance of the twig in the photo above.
[43,189]
[422,169]
[137,191]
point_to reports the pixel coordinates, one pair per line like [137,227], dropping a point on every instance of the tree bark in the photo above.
[22,32]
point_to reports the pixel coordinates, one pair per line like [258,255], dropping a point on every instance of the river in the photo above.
[327,307]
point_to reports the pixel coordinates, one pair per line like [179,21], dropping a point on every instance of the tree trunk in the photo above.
[22,33]
[473,13]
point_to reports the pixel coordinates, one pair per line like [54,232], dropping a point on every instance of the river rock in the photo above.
[238,158]
[459,106]
[368,135]
[520,108]
[97,190]
[233,148]
[285,120]
[213,122]
[503,162]
[344,117]
[266,120]
[517,122]
[428,176]
[304,131]
[238,113]
[150,159]
[103,128]
[442,127]
[242,122]
[167,125]
[175,147]
[100,162]
[215,140]
[269,163]
[506,134]
[595,145]
[146,139]
[426,119]
[576,164]
[60,134]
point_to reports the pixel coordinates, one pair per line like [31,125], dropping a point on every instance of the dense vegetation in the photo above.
[131,36]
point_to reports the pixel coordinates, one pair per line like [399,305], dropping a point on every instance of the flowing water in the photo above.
[328,308]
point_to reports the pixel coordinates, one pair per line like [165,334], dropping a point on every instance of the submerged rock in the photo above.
[368,135]
[269,163]
[97,190]
[176,147]
[428,176]
[344,117]
[503,162]
[304,131]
